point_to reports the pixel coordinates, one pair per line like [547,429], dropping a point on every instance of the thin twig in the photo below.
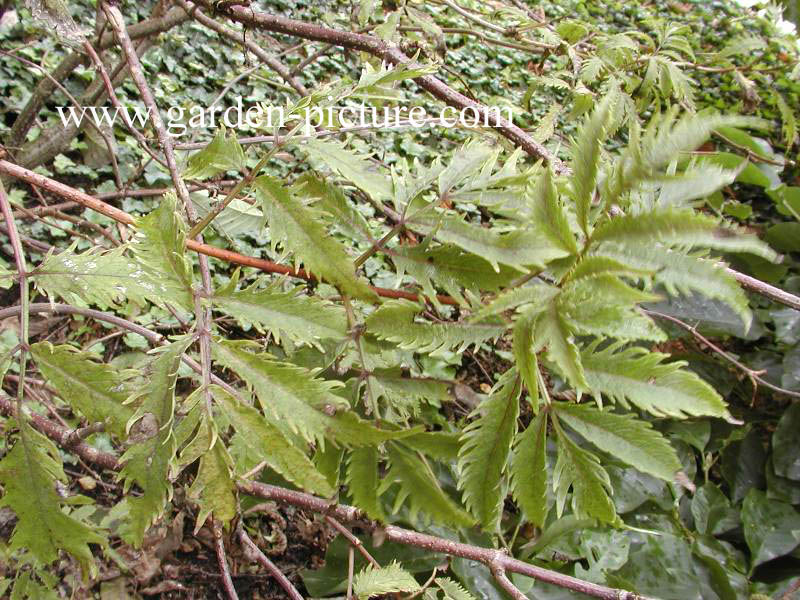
[350,569]
[755,376]
[254,553]
[222,561]
[499,573]
[353,540]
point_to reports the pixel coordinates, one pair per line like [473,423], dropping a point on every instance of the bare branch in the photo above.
[254,553]
[222,561]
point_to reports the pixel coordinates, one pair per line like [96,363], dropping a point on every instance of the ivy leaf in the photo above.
[159,246]
[95,390]
[771,528]
[624,437]
[485,446]
[581,470]
[151,454]
[419,486]
[28,473]
[222,154]
[373,581]
[298,227]
[394,321]
[529,470]
[363,482]
[301,318]
[266,443]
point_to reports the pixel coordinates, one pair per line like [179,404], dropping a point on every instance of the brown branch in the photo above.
[486,556]
[269,60]
[353,540]
[765,289]
[121,216]
[499,573]
[392,55]
[254,553]
[755,376]
[222,561]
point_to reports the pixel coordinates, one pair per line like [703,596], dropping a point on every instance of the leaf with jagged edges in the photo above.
[366,175]
[681,273]
[664,139]
[682,228]
[363,481]
[450,268]
[395,321]
[526,362]
[452,589]
[580,470]
[300,318]
[534,297]
[485,446]
[262,441]
[605,305]
[553,333]
[213,487]
[550,214]
[29,474]
[640,377]
[586,156]
[151,443]
[95,390]
[159,246]
[529,470]
[438,445]
[337,209]
[294,400]
[622,436]
[377,581]
[418,485]
[291,396]
[300,230]
[467,161]
[94,277]
[222,154]
[405,395]
[521,248]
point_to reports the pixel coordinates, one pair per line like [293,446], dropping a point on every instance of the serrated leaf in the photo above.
[404,395]
[453,590]
[299,229]
[684,228]
[624,437]
[373,581]
[418,485]
[159,246]
[357,169]
[395,321]
[526,362]
[549,213]
[485,446]
[537,294]
[450,268]
[213,487]
[586,157]
[581,471]
[266,443]
[553,333]
[94,389]
[466,162]
[439,445]
[28,473]
[94,277]
[789,121]
[150,457]
[331,199]
[529,470]
[222,154]
[363,481]
[640,377]
[299,317]
[290,396]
